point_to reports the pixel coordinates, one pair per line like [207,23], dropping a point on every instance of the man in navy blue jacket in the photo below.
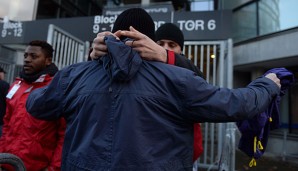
[124,113]
[171,38]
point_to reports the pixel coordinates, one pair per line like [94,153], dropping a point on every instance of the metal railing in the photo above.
[214,58]
[68,48]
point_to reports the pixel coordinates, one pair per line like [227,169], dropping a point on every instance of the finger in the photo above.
[97,54]
[131,43]
[104,33]
[131,28]
[137,35]
[101,36]
[118,33]
[100,47]
[98,40]
[113,34]
[129,34]
[93,55]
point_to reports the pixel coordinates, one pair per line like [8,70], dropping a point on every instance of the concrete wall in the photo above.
[275,50]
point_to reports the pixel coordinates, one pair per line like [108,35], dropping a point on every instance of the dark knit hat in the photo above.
[170,31]
[138,18]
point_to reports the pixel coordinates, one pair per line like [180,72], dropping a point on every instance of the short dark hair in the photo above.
[46,47]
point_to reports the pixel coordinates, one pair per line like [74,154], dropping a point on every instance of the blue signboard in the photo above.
[211,25]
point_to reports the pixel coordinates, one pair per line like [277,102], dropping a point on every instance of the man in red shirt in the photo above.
[38,143]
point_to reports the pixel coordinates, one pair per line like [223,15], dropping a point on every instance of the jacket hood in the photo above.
[121,61]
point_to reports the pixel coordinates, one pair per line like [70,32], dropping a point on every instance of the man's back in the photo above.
[129,125]
[143,121]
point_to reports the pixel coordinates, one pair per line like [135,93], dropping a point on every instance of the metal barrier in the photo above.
[227,157]
[215,60]
[68,49]
[12,71]
[7,62]
[7,68]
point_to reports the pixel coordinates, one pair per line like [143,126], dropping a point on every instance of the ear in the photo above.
[48,61]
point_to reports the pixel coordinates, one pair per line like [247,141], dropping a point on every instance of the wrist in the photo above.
[162,55]
[165,56]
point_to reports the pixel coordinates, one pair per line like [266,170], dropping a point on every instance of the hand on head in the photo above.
[147,48]
[99,46]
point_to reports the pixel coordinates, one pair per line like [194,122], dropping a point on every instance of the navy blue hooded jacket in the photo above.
[127,114]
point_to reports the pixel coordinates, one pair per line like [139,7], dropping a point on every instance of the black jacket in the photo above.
[4,86]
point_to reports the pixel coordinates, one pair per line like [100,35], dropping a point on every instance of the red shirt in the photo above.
[38,143]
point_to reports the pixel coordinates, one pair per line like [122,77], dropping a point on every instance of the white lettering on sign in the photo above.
[113,12]
[157,10]
[14,29]
[103,23]
[158,24]
[194,25]
[99,19]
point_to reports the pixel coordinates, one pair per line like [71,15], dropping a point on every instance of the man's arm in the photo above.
[37,102]
[206,103]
